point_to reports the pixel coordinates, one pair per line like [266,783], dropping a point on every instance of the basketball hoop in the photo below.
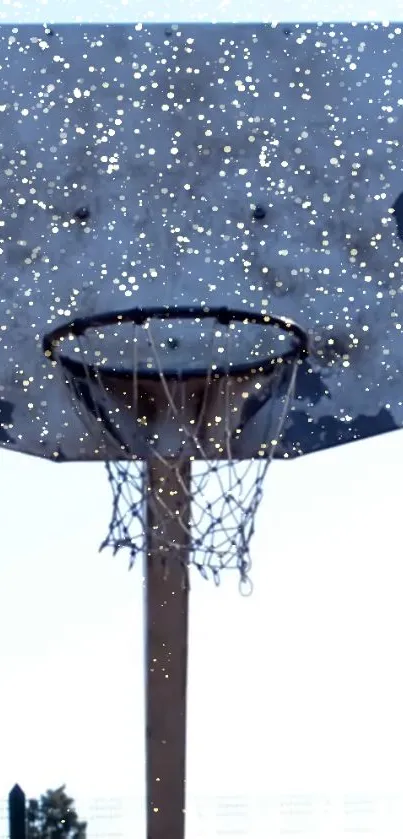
[143,399]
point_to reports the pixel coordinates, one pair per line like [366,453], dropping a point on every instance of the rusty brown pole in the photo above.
[167,600]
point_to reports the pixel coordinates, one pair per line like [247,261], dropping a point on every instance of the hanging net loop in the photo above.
[162,389]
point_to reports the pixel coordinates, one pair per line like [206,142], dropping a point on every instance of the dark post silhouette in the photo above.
[16,813]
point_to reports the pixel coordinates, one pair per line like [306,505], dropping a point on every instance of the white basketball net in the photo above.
[196,420]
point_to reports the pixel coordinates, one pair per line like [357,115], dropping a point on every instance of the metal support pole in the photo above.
[167,596]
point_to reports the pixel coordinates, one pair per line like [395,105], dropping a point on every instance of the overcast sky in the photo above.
[295,690]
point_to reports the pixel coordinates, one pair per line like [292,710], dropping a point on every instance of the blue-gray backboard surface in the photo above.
[132,158]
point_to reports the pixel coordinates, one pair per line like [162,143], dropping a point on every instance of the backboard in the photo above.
[242,165]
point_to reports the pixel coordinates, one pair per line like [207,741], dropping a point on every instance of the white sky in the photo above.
[296,690]
[17,11]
